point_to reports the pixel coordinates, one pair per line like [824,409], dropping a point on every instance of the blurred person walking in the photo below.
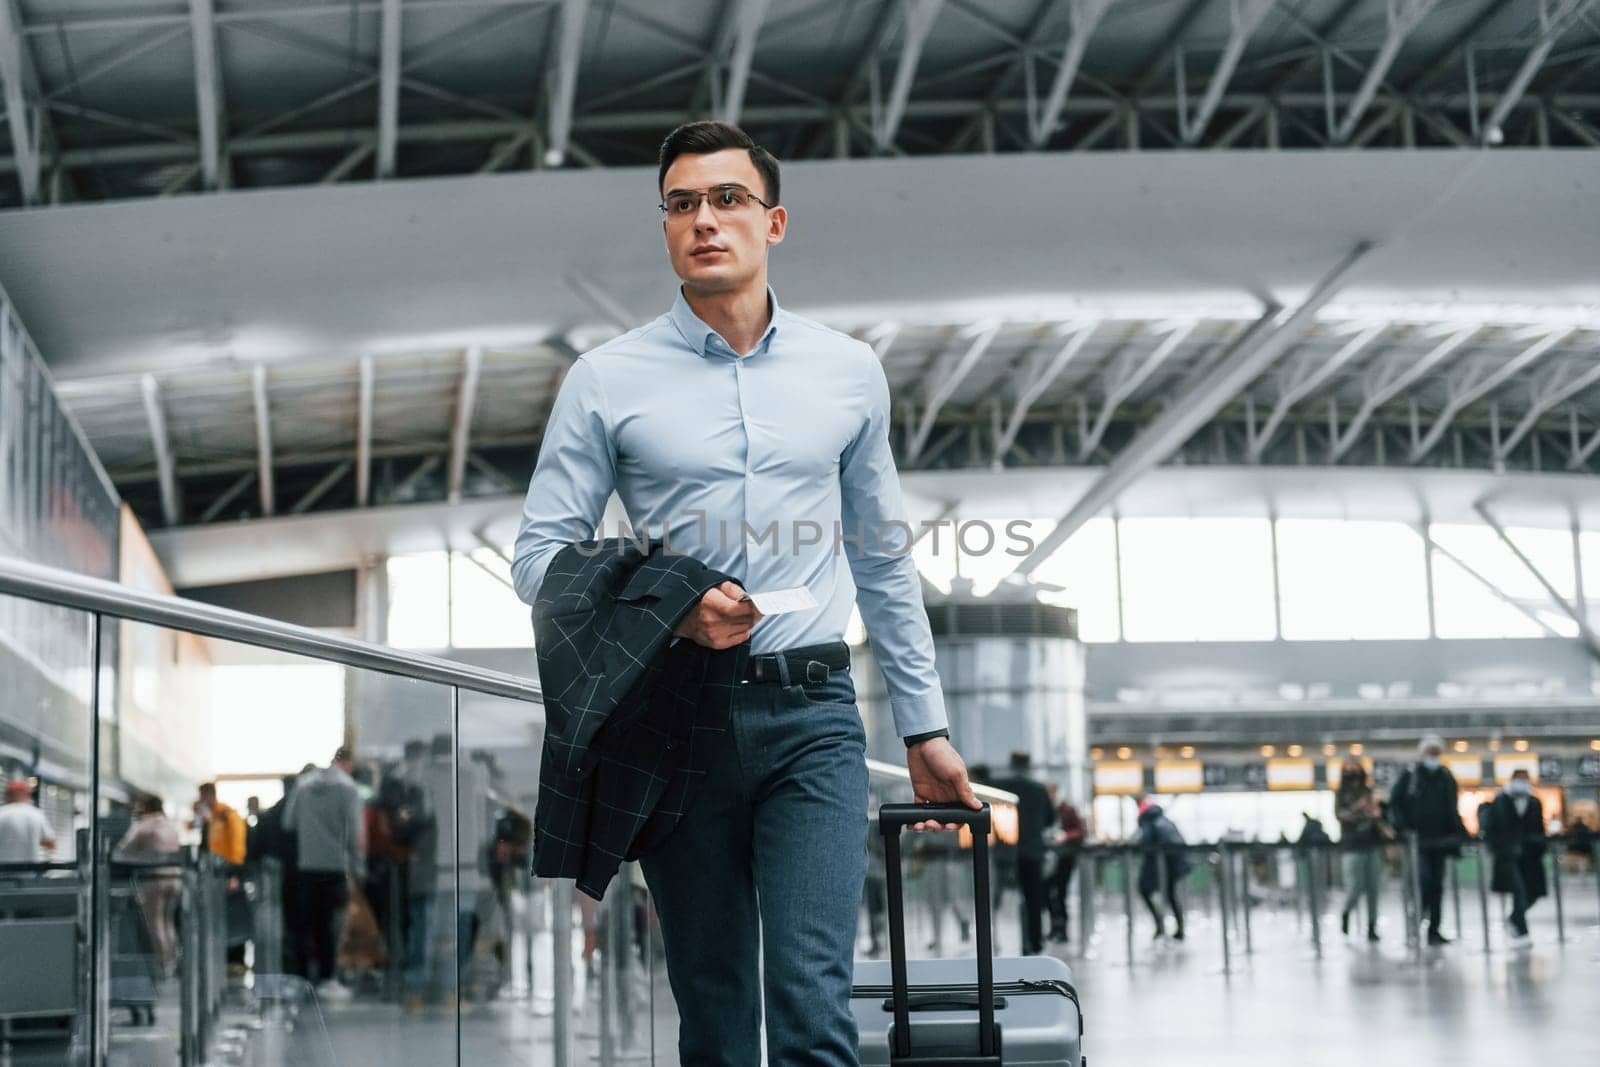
[1034,816]
[1516,838]
[25,833]
[1164,865]
[1425,802]
[223,830]
[1361,832]
[324,814]
[154,835]
[1067,840]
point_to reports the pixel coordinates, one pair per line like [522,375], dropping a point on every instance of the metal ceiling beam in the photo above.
[563,88]
[1244,17]
[320,489]
[1585,634]
[920,16]
[494,129]
[228,496]
[24,130]
[1038,376]
[1403,17]
[352,159]
[461,425]
[364,433]
[258,394]
[949,372]
[1498,593]
[171,505]
[750,16]
[207,90]
[1471,391]
[1178,422]
[389,88]
[1311,379]
[1554,24]
[1391,381]
[1085,16]
[1129,381]
[1555,392]
[409,483]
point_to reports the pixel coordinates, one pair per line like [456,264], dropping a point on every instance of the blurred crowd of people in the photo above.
[357,865]
[1039,853]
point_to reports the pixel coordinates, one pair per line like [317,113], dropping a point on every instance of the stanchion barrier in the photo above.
[1224,900]
[189,971]
[1594,865]
[1555,887]
[1246,905]
[561,953]
[1483,892]
[1455,892]
[1413,873]
[1314,898]
[100,942]
[1086,886]
[1127,901]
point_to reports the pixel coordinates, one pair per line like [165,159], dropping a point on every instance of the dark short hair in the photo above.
[707,136]
[416,747]
[342,754]
[147,804]
[208,787]
[1021,761]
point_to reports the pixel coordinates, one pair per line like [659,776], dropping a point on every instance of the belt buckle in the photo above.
[811,675]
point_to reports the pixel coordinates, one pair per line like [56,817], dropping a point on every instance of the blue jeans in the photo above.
[770,854]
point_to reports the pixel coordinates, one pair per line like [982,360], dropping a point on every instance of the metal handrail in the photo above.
[68,589]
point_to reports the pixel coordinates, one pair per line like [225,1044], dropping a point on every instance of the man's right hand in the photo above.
[720,620]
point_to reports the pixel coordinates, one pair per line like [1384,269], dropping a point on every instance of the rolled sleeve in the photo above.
[877,538]
[572,479]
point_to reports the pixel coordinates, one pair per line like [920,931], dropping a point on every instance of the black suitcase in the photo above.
[980,1012]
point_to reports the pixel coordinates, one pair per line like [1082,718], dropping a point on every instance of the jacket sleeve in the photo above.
[1399,811]
[877,538]
[572,479]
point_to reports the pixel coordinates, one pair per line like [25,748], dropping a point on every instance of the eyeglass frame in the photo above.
[704,196]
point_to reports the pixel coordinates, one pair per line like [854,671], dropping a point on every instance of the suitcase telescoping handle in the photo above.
[892,818]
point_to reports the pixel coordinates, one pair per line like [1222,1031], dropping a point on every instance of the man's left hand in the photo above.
[938,776]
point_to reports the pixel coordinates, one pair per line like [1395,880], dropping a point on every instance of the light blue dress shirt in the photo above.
[772,466]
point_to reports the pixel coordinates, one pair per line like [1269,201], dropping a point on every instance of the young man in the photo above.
[739,430]
[1424,803]
[324,815]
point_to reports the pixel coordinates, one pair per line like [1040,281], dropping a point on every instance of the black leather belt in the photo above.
[810,663]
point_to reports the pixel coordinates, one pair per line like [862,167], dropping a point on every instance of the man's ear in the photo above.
[777,225]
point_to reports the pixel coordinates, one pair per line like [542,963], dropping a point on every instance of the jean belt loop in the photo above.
[783,669]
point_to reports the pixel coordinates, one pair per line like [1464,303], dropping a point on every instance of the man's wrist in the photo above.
[915,739]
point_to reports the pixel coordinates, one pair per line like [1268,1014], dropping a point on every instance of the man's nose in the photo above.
[705,220]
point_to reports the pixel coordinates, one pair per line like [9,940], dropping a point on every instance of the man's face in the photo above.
[720,251]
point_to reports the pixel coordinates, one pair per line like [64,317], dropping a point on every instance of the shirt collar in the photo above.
[699,335]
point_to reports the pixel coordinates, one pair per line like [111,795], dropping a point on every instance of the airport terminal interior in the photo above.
[1243,368]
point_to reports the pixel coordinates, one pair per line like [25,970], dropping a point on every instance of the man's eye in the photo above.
[729,197]
[680,205]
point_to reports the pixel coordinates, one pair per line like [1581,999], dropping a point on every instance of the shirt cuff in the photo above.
[919,712]
[912,739]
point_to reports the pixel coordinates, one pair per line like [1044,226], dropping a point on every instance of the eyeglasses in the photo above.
[684,204]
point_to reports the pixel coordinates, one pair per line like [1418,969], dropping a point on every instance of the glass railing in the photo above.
[157,932]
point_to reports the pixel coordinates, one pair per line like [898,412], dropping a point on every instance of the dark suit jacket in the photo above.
[631,719]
